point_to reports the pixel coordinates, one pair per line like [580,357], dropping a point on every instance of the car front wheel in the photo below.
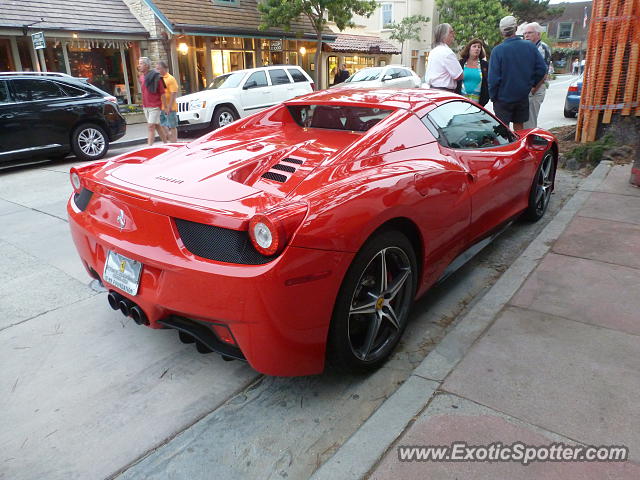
[89,142]
[372,308]
[223,116]
[541,189]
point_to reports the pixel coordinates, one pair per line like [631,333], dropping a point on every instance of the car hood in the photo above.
[225,170]
[205,94]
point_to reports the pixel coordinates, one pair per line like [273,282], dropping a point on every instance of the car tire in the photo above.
[223,116]
[541,189]
[89,142]
[568,113]
[372,308]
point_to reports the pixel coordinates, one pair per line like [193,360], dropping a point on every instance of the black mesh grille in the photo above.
[278,177]
[292,160]
[284,168]
[82,199]
[221,244]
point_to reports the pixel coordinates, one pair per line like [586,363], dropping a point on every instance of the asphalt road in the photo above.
[86,393]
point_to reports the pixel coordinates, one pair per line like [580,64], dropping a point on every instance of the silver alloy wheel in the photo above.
[91,142]
[380,304]
[225,118]
[544,183]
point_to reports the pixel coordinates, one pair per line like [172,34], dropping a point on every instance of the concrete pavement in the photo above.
[550,354]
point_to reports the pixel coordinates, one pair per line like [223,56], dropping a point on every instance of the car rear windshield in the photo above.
[365,75]
[337,117]
[231,80]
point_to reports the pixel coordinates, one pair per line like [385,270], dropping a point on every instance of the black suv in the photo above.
[52,114]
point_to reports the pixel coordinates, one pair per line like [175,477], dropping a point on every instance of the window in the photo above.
[462,125]
[279,77]
[35,89]
[259,78]
[297,75]
[387,14]
[357,119]
[365,75]
[72,91]
[228,3]
[565,30]
[5,97]
[230,80]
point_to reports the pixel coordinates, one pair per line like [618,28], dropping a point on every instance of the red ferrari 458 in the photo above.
[301,235]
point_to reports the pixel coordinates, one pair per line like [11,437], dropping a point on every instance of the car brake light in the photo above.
[271,231]
[573,88]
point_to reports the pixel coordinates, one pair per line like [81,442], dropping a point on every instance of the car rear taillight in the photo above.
[76,182]
[313,86]
[271,231]
[573,89]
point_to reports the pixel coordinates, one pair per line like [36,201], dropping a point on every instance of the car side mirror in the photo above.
[386,78]
[251,84]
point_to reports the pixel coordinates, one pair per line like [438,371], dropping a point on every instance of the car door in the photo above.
[281,85]
[256,92]
[301,83]
[497,161]
[12,135]
[40,110]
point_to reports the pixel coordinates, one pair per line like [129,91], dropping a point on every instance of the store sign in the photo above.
[275,45]
[38,40]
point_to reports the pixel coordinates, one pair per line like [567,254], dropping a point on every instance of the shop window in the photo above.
[565,30]
[356,63]
[387,14]
[227,3]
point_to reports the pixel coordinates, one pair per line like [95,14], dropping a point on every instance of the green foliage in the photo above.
[407,29]
[532,10]
[280,13]
[473,19]
[591,153]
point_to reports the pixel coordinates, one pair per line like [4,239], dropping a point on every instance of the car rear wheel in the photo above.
[542,187]
[372,308]
[89,142]
[569,113]
[223,116]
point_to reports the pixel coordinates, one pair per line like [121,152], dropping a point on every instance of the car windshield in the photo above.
[365,75]
[337,117]
[230,80]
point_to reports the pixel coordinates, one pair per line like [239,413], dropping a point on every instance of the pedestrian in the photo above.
[169,113]
[515,67]
[474,84]
[583,62]
[342,75]
[152,91]
[576,66]
[533,33]
[443,68]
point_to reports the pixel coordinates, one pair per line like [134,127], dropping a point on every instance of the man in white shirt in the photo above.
[443,67]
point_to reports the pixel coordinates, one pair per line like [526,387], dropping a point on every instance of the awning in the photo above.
[347,43]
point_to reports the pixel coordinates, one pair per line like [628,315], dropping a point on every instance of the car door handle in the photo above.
[7,115]
[472,177]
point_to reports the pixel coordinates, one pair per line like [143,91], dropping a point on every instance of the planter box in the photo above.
[133,118]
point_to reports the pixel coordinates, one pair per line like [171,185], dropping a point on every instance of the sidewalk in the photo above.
[136,136]
[550,354]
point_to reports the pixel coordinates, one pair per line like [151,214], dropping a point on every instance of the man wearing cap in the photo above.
[515,68]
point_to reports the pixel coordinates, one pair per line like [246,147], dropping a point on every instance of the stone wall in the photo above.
[157,46]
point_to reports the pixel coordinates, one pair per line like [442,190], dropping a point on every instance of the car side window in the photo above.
[5,96]
[72,91]
[260,79]
[462,125]
[28,90]
[297,75]
[279,76]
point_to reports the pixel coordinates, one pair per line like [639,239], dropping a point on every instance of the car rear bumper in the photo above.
[278,312]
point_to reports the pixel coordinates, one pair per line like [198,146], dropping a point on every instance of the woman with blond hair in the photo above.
[474,84]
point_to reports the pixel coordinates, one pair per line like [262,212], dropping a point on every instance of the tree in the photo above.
[407,29]
[280,13]
[473,19]
[532,10]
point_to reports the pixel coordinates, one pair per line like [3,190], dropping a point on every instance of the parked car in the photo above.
[572,101]
[235,95]
[304,233]
[390,76]
[53,114]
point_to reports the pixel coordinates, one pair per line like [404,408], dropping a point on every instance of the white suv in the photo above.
[241,93]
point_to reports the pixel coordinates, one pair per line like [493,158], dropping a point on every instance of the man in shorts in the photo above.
[169,113]
[153,89]
[515,67]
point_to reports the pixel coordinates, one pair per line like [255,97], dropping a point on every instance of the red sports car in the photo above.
[300,236]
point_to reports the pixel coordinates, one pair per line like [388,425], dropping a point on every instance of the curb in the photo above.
[128,143]
[361,452]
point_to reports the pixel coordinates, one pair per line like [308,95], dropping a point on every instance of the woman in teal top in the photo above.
[474,84]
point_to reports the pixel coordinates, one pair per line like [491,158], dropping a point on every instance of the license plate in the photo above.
[122,272]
